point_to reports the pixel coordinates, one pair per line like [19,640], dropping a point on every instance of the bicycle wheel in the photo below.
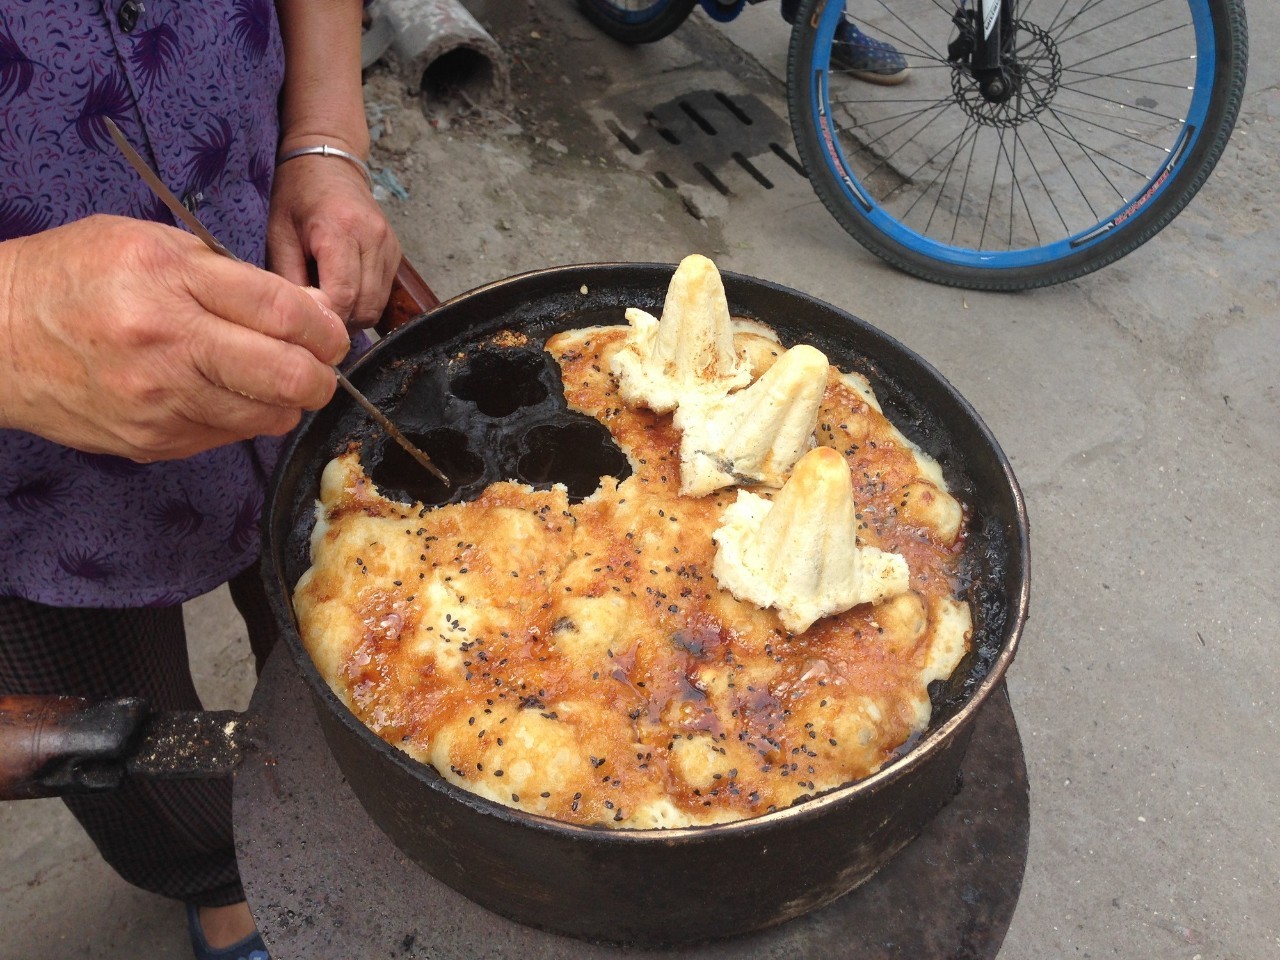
[637,21]
[1120,111]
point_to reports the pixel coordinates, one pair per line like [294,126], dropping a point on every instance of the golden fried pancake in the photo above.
[583,660]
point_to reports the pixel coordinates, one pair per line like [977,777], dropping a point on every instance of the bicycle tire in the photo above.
[637,21]
[866,177]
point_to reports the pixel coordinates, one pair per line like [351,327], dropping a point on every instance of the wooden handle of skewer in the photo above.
[410,298]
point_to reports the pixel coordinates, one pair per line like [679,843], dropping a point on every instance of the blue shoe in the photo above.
[250,948]
[866,57]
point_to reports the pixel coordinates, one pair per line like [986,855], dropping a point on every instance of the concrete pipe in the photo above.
[442,50]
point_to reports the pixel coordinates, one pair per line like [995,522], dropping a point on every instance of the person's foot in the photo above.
[866,57]
[225,933]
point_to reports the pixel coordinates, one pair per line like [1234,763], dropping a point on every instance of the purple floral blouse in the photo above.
[194,85]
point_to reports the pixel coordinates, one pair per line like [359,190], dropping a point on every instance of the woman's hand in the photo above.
[132,338]
[322,212]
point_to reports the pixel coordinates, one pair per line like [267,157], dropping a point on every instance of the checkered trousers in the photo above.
[169,837]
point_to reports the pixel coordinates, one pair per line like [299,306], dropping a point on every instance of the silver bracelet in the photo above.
[324,150]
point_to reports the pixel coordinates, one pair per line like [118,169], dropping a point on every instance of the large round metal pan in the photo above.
[449,381]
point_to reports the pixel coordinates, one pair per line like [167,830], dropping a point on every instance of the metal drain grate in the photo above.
[709,138]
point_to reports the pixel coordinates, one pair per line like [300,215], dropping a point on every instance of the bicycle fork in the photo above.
[985,43]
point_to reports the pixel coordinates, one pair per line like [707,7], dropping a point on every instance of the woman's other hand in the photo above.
[322,212]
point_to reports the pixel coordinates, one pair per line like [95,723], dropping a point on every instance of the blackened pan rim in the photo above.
[573,277]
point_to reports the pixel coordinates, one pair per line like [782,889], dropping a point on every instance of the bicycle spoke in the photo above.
[1090,75]
[986,216]
[908,178]
[1049,193]
[1140,126]
[1057,29]
[1054,22]
[1126,46]
[842,103]
[946,173]
[906,214]
[1013,171]
[1091,152]
[1065,166]
[1063,41]
[1124,106]
[1017,138]
[887,158]
[922,51]
[1015,192]
[915,64]
[925,45]
[907,47]
[964,188]
[909,118]
[942,7]
[1125,134]
[940,104]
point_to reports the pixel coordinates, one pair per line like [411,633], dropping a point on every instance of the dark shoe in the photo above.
[250,948]
[867,58]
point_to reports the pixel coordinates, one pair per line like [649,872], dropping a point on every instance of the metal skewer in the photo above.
[392,430]
[195,226]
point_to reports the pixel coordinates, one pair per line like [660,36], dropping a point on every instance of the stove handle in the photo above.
[410,298]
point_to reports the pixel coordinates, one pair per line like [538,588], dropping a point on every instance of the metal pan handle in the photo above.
[51,746]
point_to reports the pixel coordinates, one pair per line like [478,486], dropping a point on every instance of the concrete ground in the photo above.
[1139,407]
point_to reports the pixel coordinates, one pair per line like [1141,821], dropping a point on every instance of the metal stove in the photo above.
[326,884]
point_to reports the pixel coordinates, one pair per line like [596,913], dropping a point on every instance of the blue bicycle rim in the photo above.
[990,259]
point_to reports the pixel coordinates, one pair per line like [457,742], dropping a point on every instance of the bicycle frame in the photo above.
[984,49]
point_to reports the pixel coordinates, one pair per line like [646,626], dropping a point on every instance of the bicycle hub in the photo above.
[989,59]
